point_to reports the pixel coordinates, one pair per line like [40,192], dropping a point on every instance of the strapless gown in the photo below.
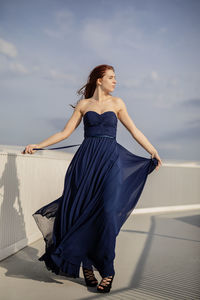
[102,185]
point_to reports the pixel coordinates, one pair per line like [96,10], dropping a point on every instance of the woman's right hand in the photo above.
[29,149]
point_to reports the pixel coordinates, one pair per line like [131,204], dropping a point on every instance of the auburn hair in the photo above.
[88,89]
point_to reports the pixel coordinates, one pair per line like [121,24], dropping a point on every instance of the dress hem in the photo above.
[70,269]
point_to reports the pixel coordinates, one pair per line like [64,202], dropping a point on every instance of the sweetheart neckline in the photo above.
[100,114]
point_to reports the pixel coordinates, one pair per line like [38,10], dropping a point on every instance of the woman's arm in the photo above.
[70,126]
[135,132]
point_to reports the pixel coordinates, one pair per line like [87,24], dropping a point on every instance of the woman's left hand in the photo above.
[155,154]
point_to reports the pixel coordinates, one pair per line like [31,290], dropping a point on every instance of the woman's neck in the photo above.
[100,96]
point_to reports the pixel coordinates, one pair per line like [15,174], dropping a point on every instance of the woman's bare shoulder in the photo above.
[80,103]
[119,102]
[80,106]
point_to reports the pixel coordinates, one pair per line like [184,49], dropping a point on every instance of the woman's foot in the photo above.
[90,279]
[105,284]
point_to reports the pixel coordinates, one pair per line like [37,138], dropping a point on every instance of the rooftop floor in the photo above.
[157,257]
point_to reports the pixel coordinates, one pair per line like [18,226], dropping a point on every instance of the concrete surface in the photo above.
[157,257]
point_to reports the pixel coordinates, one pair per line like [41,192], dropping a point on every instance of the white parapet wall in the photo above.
[28,182]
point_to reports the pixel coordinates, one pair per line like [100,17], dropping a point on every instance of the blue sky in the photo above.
[48,48]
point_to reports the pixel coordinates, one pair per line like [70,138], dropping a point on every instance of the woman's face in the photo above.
[108,81]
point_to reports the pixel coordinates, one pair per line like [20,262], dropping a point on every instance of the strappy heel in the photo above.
[106,284]
[90,279]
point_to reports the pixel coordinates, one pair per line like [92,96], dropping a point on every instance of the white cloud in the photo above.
[98,38]
[141,81]
[18,68]
[131,83]
[64,24]
[54,74]
[174,81]
[8,67]
[36,68]
[154,75]
[117,34]
[64,18]
[7,48]
[163,29]
[52,33]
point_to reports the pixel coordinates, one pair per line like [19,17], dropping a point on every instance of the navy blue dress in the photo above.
[102,186]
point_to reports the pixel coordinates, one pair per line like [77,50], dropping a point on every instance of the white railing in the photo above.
[27,182]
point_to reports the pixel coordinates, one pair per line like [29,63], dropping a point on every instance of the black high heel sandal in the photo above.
[90,279]
[106,284]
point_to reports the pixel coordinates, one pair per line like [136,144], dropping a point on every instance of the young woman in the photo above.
[102,185]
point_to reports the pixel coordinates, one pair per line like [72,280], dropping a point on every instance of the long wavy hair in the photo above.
[88,89]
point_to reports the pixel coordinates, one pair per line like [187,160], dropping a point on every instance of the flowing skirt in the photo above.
[102,185]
